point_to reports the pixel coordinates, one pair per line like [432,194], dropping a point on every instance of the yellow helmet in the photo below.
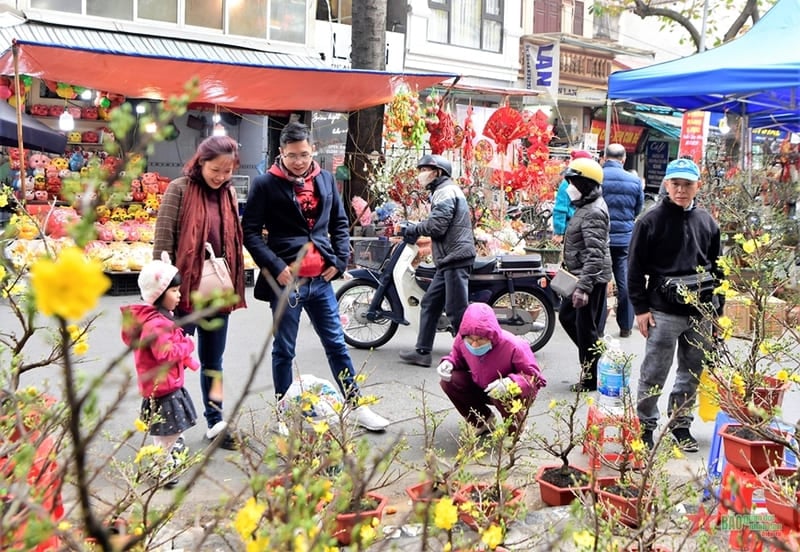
[587,168]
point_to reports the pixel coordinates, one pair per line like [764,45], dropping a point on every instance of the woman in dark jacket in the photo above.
[586,255]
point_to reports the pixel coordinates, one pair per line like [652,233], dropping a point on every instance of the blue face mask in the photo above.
[479,351]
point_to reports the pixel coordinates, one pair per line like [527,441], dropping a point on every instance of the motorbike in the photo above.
[385,291]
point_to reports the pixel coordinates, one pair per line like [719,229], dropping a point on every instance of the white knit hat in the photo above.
[155,277]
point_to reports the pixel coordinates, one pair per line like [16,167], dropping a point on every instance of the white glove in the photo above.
[444,369]
[499,388]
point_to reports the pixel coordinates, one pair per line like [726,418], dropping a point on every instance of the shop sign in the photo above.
[768,134]
[627,135]
[541,67]
[694,131]
[334,39]
[655,164]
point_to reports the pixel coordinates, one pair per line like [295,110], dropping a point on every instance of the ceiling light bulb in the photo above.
[87,94]
[216,117]
[219,130]
[151,127]
[140,108]
[66,122]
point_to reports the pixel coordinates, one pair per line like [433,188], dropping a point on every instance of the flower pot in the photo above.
[559,490]
[621,503]
[768,397]
[748,454]
[782,507]
[483,496]
[424,492]
[345,523]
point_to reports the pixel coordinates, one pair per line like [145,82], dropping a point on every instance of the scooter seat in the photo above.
[484,265]
[521,262]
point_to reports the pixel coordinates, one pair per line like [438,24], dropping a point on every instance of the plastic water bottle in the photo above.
[613,378]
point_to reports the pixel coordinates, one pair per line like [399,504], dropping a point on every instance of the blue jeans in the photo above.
[316,297]
[210,348]
[448,292]
[619,264]
[670,332]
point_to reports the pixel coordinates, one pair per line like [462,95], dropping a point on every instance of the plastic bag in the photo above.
[707,405]
[318,398]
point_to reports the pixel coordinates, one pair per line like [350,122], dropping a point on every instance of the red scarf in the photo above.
[193,234]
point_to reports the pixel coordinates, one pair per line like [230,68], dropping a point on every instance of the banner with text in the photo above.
[694,131]
[541,67]
[627,135]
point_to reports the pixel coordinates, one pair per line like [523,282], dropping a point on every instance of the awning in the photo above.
[665,124]
[35,134]
[158,68]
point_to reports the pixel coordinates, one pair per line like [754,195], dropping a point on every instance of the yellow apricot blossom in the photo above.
[493,536]
[726,325]
[583,539]
[782,375]
[445,514]
[81,347]
[248,517]
[69,286]
[147,451]
[140,425]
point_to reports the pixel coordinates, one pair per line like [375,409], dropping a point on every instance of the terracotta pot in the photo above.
[345,523]
[486,506]
[423,492]
[749,455]
[769,397]
[786,511]
[616,506]
[553,495]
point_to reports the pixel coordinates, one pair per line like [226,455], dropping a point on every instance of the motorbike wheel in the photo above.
[535,315]
[354,298]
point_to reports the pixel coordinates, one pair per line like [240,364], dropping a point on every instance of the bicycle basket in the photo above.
[371,253]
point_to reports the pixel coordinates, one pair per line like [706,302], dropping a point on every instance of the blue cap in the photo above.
[685,169]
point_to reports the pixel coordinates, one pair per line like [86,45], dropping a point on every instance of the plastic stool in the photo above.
[597,421]
[740,498]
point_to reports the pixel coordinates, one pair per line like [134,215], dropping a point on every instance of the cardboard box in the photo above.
[740,314]
[775,317]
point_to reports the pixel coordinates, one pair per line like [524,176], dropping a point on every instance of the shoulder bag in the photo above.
[564,282]
[678,289]
[216,274]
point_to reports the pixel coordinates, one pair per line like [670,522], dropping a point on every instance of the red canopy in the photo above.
[223,81]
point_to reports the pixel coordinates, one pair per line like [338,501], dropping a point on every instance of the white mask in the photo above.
[573,193]
[426,177]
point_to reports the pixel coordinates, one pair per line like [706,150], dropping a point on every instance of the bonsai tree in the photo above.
[564,431]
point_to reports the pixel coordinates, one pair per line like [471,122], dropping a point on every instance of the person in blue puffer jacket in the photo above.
[624,196]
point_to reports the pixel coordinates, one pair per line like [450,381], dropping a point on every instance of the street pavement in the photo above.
[398,386]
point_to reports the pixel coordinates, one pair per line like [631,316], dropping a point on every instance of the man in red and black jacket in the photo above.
[297,203]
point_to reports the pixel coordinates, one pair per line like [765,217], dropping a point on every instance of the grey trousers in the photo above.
[689,334]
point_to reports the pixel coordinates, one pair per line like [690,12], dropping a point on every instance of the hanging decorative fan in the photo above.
[505,125]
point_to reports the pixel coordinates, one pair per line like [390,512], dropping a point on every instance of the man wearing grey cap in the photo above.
[672,239]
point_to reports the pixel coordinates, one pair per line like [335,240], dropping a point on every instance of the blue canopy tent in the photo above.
[756,75]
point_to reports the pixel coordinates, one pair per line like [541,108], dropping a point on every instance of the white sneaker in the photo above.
[216,429]
[366,418]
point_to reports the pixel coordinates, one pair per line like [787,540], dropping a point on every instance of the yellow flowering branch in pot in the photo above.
[753,359]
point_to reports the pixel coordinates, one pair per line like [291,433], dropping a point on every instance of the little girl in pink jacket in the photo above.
[161,353]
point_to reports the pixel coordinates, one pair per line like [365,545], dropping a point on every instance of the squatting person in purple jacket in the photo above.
[483,366]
